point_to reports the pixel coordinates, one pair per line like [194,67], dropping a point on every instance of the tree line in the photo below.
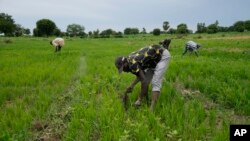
[46,27]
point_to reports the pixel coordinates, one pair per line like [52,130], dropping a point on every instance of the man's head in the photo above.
[198,46]
[121,64]
[50,42]
[165,43]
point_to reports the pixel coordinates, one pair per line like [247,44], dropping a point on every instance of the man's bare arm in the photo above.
[144,85]
[131,87]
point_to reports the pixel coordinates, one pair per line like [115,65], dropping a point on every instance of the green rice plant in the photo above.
[76,93]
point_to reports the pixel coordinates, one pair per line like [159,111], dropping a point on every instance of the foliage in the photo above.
[201,28]
[182,28]
[156,32]
[166,25]
[19,30]
[107,33]
[239,26]
[75,30]
[75,96]
[44,27]
[212,28]
[144,31]
[131,31]
[57,32]
[7,24]
[172,31]
[247,25]
[96,33]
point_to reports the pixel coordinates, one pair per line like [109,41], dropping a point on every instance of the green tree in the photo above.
[223,29]
[166,26]
[171,31]
[247,25]
[118,35]
[156,32]
[239,26]
[96,33]
[75,29]
[201,28]
[212,28]
[19,30]
[44,27]
[107,33]
[129,31]
[182,28]
[57,32]
[135,31]
[7,24]
[90,33]
[35,32]
[144,31]
[27,31]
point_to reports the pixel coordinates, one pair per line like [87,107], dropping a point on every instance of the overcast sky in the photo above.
[119,14]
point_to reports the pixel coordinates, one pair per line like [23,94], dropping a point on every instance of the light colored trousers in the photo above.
[157,74]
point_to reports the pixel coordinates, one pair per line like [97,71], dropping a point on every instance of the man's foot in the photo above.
[151,108]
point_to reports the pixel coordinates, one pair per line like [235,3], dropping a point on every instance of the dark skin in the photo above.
[195,51]
[58,48]
[140,77]
[191,51]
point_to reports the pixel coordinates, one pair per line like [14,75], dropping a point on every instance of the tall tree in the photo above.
[107,33]
[75,29]
[27,31]
[144,31]
[212,28]
[247,25]
[128,31]
[44,27]
[239,26]
[19,30]
[182,28]
[201,28]
[166,25]
[7,24]
[156,32]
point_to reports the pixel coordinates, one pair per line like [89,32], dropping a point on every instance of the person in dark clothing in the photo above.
[147,64]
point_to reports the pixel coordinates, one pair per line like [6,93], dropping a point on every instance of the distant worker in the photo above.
[191,46]
[149,63]
[58,43]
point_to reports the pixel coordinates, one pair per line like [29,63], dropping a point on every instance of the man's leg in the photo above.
[185,51]
[56,49]
[59,48]
[159,72]
[196,53]
[155,95]
[148,75]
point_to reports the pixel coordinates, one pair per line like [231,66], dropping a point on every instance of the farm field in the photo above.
[75,94]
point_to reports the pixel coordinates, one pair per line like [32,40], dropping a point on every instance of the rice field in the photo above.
[75,94]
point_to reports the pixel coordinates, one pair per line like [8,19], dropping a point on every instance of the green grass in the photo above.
[75,94]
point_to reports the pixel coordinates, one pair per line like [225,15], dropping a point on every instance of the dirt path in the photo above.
[59,114]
